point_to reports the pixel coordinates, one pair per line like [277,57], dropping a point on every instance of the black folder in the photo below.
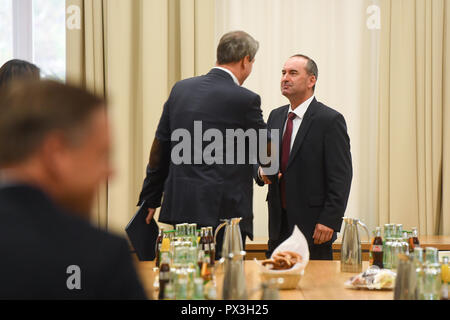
[142,235]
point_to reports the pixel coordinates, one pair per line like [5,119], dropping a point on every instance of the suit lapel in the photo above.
[303,130]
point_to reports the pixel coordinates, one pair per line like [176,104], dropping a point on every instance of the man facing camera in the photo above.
[54,153]
[199,190]
[313,186]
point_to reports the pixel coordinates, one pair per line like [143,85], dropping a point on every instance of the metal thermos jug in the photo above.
[234,287]
[351,255]
[232,238]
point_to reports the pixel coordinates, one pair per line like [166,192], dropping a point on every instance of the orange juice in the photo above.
[445,272]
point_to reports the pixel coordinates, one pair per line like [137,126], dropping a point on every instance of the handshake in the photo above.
[268,179]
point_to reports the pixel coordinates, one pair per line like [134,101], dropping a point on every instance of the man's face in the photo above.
[81,168]
[295,81]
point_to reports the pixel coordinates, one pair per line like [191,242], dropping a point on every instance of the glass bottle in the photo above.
[212,244]
[445,275]
[404,242]
[164,275]
[182,288]
[198,289]
[158,244]
[387,248]
[169,292]
[377,249]
[414,239]
[166,246]
[202,244]
[199,233]
[396,245]
[178,229]
[371,246]
[432,275]
[418,261]
[193,234]
[200,258]
[206,272]
[210,289]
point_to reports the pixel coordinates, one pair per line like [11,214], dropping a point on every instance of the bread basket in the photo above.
[291,280]
[291,277]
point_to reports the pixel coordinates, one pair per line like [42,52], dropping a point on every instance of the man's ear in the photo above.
[312,81]
[53,153]
[245,61]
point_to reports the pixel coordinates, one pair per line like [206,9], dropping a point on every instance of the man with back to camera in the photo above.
[313,186]
[206,193]
[54,153]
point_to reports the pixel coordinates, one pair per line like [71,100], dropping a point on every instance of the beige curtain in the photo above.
[85,67]
[414,127]
[137,50]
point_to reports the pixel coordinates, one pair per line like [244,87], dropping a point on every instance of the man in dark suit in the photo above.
[54,151]
[198,190]
[313,186]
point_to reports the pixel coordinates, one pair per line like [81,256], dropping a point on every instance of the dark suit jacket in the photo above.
[201,193]
[39,241]
[319,172]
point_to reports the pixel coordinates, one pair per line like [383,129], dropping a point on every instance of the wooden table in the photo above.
[322,281]
[258,247]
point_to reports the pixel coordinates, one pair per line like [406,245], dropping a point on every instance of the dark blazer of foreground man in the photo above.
[54,146]
[205,193]
[317,171]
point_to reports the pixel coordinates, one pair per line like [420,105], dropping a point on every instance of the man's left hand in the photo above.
[322,234]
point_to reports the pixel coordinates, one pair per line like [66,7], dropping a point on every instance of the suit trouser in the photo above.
[316,251]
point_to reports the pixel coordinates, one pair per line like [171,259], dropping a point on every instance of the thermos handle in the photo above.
[365,228]
[217,230]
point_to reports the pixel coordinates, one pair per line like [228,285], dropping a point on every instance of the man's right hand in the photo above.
[264,178]
[151,213]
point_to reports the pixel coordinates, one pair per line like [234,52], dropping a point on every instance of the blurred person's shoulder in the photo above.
[45,241]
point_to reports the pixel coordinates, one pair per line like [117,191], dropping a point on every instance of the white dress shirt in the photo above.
[230,73]
[299,112]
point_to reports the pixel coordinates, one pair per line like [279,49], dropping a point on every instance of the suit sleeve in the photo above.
[159,162]
[254,116]
[258,180]
[338,174]
[124,282]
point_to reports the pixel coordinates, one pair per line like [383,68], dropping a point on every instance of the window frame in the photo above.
[22,20]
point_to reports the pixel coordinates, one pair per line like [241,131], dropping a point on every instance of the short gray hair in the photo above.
[311,66]
[235,46]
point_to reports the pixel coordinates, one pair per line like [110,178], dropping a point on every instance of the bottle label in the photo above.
[164,276]
[212,246]
[377,248]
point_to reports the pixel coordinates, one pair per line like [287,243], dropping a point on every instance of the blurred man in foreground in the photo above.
[54,152]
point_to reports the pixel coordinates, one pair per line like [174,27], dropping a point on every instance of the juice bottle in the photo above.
[445,274]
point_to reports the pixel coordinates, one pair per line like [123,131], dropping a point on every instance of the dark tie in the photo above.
[285,150]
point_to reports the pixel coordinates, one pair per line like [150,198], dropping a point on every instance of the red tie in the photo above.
[285,150]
